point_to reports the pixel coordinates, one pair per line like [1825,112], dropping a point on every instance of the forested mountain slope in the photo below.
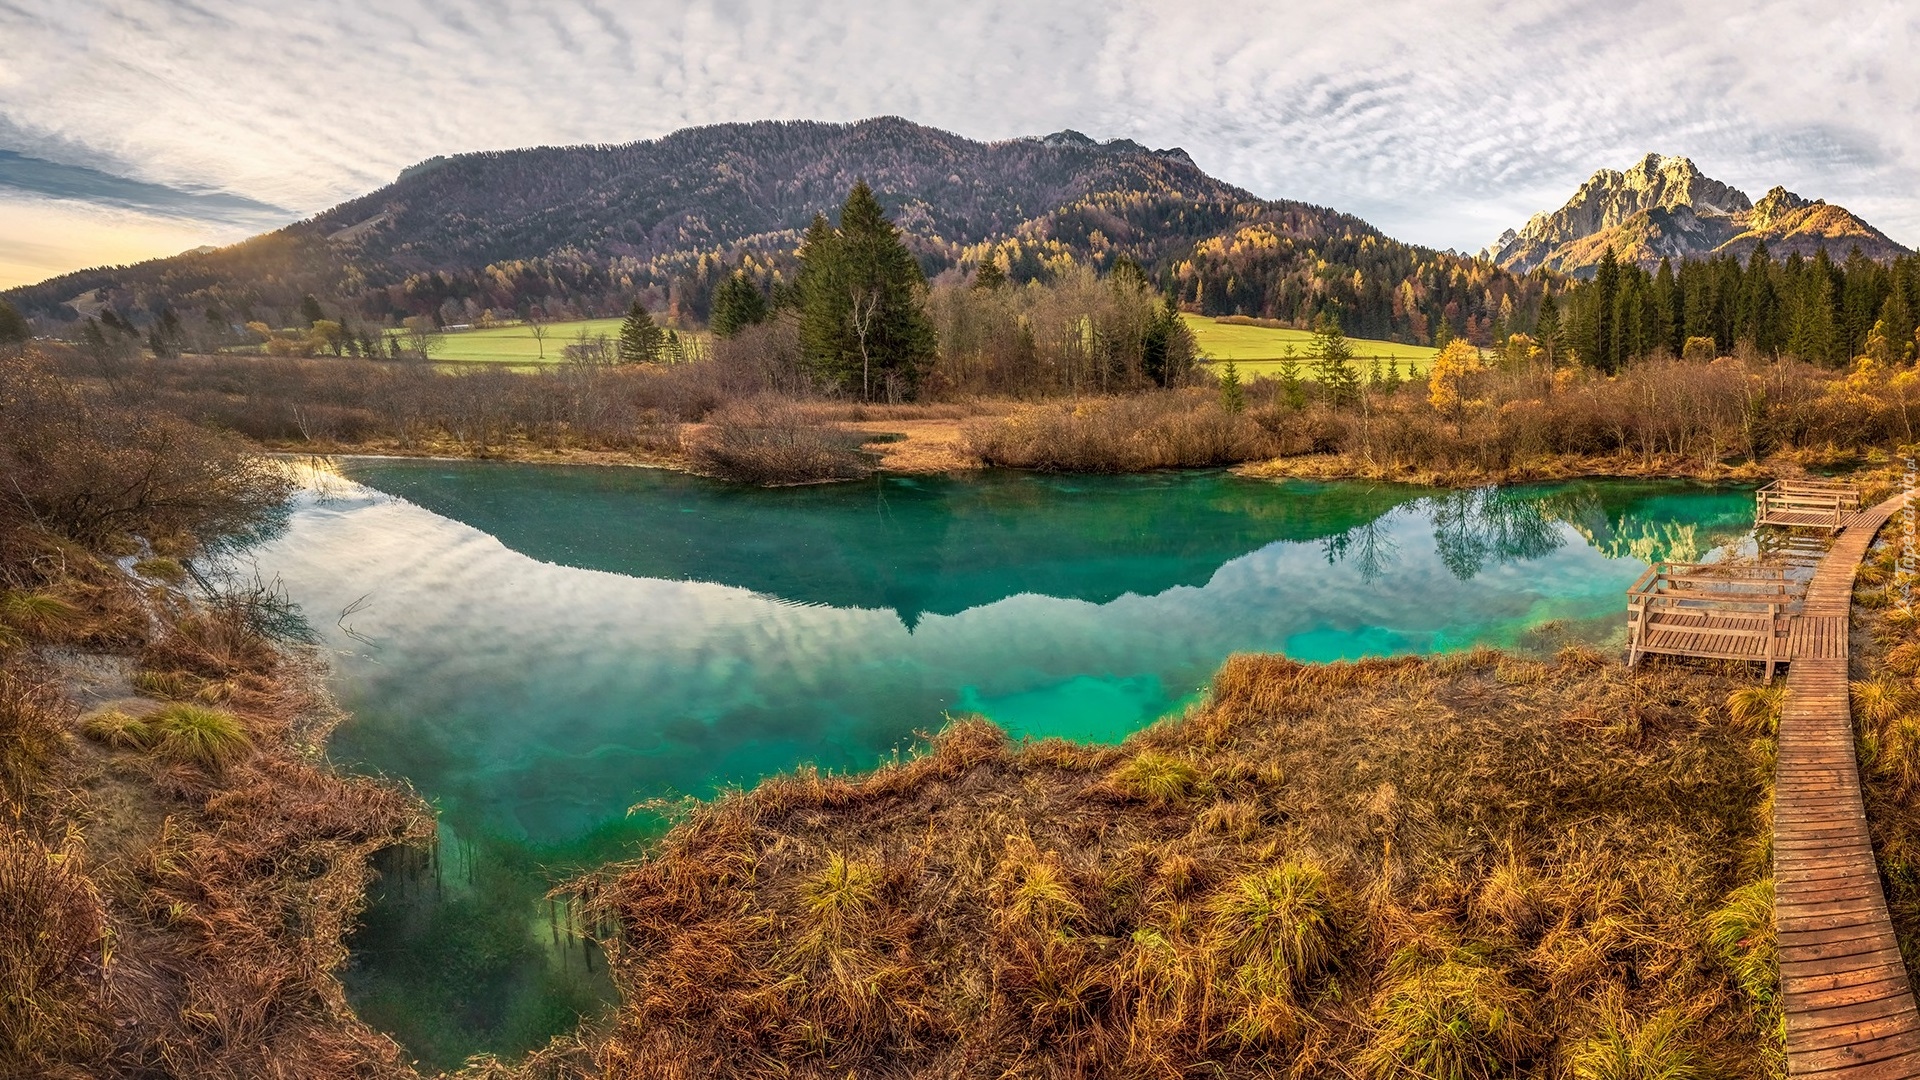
[580,230]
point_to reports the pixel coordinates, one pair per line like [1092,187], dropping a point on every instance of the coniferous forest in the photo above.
[1821,310]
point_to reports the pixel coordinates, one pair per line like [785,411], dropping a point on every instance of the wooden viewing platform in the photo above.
[1806,504]
[1849,1008]
[1725,613]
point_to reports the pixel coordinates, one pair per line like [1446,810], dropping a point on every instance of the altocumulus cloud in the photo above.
[1442,121]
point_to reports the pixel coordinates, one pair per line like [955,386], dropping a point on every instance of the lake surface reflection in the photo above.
[538,648]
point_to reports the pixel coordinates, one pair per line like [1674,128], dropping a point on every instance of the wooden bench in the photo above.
[1723,613]
[1806,504]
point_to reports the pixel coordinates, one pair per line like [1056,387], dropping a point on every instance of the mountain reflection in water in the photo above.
[539,648]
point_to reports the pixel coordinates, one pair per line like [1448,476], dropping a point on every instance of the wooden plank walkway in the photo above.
[1807,504]
[1722,612]
[1849,1008]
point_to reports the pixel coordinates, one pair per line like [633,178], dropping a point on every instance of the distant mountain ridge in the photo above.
[1664,207]
[581,230]
[608,217]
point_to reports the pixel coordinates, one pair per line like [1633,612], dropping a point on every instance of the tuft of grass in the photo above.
[1157,778]
[1655,1049]
[1455,1019]
[1741,932]
[843,890]
[214,738]
[120,731]
[1756,709]
[37,614]
[1904,659]
[1276,928]
[160,568]
[1897,753]
[1880,699]
[182,686]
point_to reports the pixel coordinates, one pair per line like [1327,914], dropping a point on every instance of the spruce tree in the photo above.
[1167,349]
[1664,301]
[1546,329]
[13,326]
[1293,392]
[737,303]
[988,274]
[640,337]
[1763,303]
[1604,334]
[310,312]
[821,290]
[862,325]
[1814,335]
[1333,361]
[1232,397]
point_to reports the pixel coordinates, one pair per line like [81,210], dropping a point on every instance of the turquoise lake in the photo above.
[538,648]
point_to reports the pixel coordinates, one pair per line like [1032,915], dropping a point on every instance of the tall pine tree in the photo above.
[1546,329]
[862,325]
[640,337]
[737,303]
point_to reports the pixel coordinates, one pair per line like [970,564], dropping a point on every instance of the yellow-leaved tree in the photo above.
[1451,368]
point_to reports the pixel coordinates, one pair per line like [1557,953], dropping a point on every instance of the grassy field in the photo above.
[515,344]
[1256,350]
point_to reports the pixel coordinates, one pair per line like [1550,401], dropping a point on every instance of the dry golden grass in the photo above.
[1472,866]
[174,888]
[1887,726]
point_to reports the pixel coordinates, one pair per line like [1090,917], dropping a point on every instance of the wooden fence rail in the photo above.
[1806,504]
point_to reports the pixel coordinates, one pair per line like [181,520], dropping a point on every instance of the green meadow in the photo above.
[515,344]
[1257,350]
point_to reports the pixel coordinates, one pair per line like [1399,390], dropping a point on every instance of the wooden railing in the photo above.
[1806,504]
[1728,613]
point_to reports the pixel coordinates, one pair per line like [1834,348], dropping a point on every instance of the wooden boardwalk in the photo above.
[1850,1012]
[1727,613]
[1807,504]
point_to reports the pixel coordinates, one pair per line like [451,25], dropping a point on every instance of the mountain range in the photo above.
[1665,208]
[582,229]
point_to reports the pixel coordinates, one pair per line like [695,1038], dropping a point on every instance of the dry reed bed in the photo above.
[1474,866]
[170,911]
[1886,709]
[177,866]
[1660,417]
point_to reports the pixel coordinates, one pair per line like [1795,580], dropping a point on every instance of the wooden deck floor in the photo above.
[1810,519]
[1849,1009]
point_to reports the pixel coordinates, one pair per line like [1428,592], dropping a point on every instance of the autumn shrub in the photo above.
[772,442]
[1171,429]
[91,470]
[31,735]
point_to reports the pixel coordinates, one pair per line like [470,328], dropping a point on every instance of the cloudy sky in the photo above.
[132,128]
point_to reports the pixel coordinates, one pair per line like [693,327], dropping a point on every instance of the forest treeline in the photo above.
[1815,309]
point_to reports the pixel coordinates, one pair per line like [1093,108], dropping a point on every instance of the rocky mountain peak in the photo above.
[1611,197]
[1665,207]
[1777,203]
